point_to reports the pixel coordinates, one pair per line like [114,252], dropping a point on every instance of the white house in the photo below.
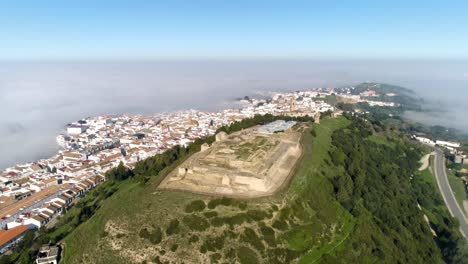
[425,140]
[76,129]
[447,144]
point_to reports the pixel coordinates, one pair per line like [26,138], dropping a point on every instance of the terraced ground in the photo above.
[140,224]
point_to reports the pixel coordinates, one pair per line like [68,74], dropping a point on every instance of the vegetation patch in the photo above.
[156,236]
[210,214]
[195,206]
[213,243]
[173,227]
[246,255]
[268,235]
[250,236]
[193,239]
[221,201]
[174,247]
[195,222]
[258,215]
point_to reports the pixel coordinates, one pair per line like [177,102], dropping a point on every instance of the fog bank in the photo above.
[39,99]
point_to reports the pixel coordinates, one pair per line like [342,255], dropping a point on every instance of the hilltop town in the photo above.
[34,194]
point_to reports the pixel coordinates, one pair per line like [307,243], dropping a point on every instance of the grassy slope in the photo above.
[315,166]
[111,235]
[427,177]
[458,188]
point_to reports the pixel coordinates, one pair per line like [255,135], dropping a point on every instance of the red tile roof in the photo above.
[10,234]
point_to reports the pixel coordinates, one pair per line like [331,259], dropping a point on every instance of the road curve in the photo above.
[447,193]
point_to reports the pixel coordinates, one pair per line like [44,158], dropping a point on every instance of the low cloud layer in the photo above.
[39,99]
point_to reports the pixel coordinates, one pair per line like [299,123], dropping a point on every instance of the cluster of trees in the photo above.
[452,245]
[261,120]
[376,183]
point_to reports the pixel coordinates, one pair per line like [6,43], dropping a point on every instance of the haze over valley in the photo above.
[40,98]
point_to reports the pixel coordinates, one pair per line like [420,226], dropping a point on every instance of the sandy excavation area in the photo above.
[249,163]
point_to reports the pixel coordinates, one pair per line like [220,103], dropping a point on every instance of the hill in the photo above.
[353,199]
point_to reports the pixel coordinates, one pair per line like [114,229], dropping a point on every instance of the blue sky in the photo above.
[203,29]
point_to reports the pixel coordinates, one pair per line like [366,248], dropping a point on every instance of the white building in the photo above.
[425,140]
[76,129]
[448,144]
[47,255]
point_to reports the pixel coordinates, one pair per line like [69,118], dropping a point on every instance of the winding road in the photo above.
[447,193]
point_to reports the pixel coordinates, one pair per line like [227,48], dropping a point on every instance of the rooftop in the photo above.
[8,235]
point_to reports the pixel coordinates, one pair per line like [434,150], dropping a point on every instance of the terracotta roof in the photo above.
[52,208]
[64,197]
[38,218]
[43,215]
[59,203]
[10,234]
[49,180]
[46,213]
[55,206]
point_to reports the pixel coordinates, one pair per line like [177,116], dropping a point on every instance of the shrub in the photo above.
[156,236]
[232,221]
[217,221]
[242,206]
[250,236]
[214,258]
[144,233]
[280,225]
[246,255]
[257,215]
[230,253]
[282,255]
[274,207]
[213,243]
[268,235]
[237,219]
[173,227]
[230,233]
[203,249]
[220,201]
[195,222]
[174,247]
[210,214]
[193,239]
[195,206]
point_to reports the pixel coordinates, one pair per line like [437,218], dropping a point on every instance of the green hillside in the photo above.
[140,223]
[338,209]
[351,201]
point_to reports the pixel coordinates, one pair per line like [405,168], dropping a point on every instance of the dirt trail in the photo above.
[424,162]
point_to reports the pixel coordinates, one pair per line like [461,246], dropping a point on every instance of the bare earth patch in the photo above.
[248,163]
[424,162]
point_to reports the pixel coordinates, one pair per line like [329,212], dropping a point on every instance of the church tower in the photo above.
[293,105]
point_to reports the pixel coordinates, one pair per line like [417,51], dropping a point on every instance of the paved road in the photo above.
[447,193]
